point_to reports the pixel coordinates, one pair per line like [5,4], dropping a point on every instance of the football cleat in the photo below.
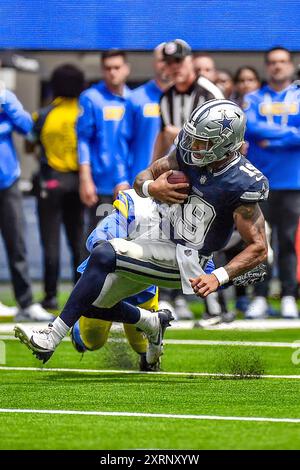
[155,337]
[40,342]
[166,305]
[145,367]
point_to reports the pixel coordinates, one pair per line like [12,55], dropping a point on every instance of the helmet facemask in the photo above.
[196,151]
[215,136]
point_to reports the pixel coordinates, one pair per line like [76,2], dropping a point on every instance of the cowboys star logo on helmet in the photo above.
[215,130]
[225,123]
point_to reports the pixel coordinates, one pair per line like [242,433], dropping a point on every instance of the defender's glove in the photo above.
[257,274]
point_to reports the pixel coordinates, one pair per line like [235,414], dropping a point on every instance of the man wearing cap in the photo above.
[183,97]
[141,123]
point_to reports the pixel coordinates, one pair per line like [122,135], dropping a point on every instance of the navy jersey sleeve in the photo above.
[253,186]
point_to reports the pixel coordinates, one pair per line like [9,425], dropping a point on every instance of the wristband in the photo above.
[222,275]
[144,188]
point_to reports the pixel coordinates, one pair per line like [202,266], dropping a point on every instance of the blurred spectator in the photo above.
[14,118]
[205,66]
[205,70]
[141,124]
[103,108]
[246,80]
[57,183]
[225,82]
[186,94]
[273,121]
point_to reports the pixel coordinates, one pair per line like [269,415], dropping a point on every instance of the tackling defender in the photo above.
[90,334]
[175,248]
[131,212]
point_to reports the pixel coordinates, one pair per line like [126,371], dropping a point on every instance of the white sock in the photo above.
[60,330]
[147,319]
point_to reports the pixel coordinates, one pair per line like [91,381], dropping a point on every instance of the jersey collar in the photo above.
[229,165]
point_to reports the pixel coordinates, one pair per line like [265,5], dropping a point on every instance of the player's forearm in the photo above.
[262,130]
[85,172]
[141,178]
[21,119]
[249,258]
[285,143]
[157,169]
[5,128]
[250,224]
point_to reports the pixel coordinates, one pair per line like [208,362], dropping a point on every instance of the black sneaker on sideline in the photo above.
[50,303]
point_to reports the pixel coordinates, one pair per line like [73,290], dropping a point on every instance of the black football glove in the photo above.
[257,274]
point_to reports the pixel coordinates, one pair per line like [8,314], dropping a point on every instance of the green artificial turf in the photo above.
[164,394]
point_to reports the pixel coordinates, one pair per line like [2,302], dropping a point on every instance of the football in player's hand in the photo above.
[179,177]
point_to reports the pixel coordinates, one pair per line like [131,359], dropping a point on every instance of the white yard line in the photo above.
[10,337]
[204,342]
[153,415]
[137,372]
[268,324]
[198,342]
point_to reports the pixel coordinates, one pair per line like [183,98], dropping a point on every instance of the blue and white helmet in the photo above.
[220,124]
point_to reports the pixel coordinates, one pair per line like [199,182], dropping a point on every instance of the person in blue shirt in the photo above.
[142,120]
[273,133]
[13,118]
[102,172]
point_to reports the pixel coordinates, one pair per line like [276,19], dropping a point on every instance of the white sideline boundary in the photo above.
[153,415]
[137,372]
[204,342]
[197,342]
[268,324]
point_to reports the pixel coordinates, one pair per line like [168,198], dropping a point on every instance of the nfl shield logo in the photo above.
[188,252]
[203,179]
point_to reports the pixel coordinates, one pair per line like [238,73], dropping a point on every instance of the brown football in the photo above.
[179,177]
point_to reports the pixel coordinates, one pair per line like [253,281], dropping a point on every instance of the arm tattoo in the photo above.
[164,164]
[249,211]
[169,162]
[251,225]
